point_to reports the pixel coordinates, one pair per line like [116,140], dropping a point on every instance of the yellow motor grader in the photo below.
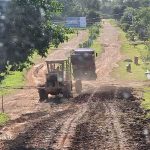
[58,79]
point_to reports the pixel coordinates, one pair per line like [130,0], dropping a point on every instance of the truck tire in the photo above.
[78,86]
[43,95]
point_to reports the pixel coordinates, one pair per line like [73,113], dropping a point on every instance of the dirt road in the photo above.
[99,121]
[107,118]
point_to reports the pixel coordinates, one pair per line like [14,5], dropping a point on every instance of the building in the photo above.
[76,22]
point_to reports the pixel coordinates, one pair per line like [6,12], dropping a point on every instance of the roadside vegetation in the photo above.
[15,79]
[146,101]
[77,8]
[93,40]
[129,51]
[3,118]
[97,46]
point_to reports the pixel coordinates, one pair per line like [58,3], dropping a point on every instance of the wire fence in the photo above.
[21,88]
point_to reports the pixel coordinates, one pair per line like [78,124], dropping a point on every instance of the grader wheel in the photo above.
[78,86]
[43,95]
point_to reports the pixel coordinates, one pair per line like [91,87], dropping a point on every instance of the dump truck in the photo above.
[83,64]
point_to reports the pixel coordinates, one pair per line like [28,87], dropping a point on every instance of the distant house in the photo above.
[3,56]
[76,22]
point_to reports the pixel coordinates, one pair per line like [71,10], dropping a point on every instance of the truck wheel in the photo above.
[78,86]
[43,95]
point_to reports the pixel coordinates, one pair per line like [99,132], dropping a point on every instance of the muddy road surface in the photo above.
[100,121]
[110,124]
[103,117]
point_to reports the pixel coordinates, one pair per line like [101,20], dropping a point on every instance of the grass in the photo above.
[146,102]
[71,36]
[14,80]
[3,118]
[130,51]
[97,46]
[112,22]
[146,96]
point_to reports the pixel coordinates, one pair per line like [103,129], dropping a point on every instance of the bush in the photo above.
[93,17]
[94,32]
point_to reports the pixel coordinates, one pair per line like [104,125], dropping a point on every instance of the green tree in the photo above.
[78,8]
[118,11]
[28,28]
[142,23]
[128,18]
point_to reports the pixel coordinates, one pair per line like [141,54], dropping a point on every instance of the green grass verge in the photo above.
[146,102]
[146,96]
[97,46]
[14,80]
[3,118]
[130,51]
[112,22]
[71,36]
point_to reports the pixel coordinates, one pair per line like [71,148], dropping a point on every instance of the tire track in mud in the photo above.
[68,129]
[99,121]
[40,134]
[111,124]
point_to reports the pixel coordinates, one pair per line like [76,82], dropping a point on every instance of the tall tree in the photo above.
[28,28]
